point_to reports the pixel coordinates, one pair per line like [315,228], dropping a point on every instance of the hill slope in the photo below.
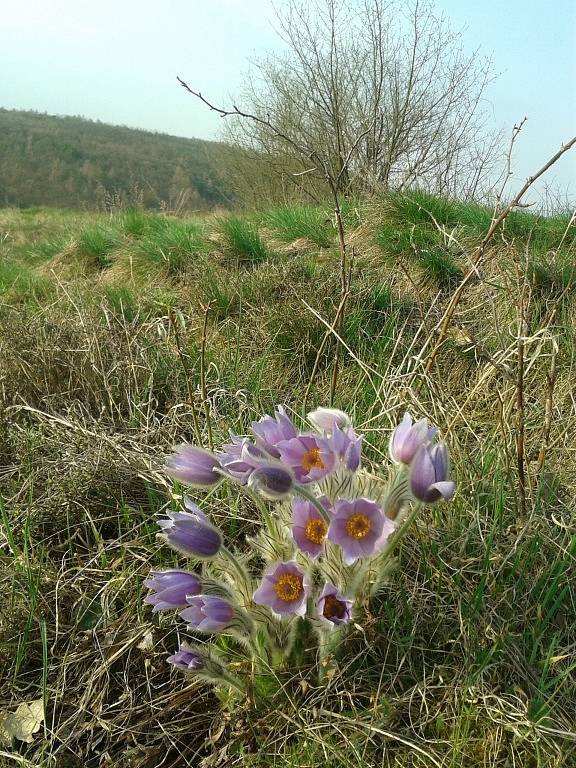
[75,163]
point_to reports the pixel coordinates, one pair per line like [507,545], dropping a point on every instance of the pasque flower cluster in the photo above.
[328,530]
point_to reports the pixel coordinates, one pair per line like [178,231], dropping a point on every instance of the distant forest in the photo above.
[69,162]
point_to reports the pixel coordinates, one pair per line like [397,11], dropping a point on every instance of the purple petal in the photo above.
[326,419]
[422,473]
[193,466]
[445,488]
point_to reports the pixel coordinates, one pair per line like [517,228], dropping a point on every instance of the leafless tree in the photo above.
[381,90]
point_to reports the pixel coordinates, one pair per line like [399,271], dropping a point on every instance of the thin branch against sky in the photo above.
[117,62]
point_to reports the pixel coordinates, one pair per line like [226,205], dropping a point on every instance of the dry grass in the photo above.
[468,656]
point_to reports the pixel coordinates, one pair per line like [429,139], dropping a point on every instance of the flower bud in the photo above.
[272,481]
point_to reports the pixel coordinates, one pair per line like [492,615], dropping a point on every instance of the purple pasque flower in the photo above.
[171,588]
[270,430]
[326,419]
[193,466]
[309,529]
[387,530]
[407,438]
[240,458]
[333,608]
[310,457]
[190,532]
[284,589]
[187,659]
[208,613]
[429,474]
[347,445]
[356,527]
[273,481]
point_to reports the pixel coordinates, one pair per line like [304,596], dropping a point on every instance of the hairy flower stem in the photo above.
[327,643]
[398,535]
[228,678]
[301,491]
[244,577]
[265,512]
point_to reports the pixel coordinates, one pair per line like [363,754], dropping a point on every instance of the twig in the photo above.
[327,334]
[551,382]
[479,253]
[520,412]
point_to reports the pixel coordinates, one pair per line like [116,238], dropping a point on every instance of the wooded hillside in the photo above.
[69,162]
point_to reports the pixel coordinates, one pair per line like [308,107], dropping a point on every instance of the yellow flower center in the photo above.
[334,608]
[315,530]
[289,587]
[358,525]
[312,460]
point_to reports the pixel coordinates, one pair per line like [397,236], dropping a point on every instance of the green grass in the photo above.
[122,301]
[424,248]
[243,240]
[170,244]
[293,222]
[98,243]
[20,284]
[134,222]
[466,658]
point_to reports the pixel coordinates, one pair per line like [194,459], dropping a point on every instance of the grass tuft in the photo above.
[172,245]
[98,243]
[292,222]
[243,240]
[134,222]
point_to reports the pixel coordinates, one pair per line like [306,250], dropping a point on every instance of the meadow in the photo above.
[123,333]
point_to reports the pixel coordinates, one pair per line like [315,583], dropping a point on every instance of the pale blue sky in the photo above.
[117,61]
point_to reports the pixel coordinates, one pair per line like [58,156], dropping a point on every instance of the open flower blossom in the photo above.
[387,530]
[207,613]
[170,589]
[356,527]
[240,458]
[408,438]
[309,456]
[190,532]
[347,446]
[193,466]
[326,419]
[273,481]
[333,608]
[284,589]
[187,659]
[429,474]
[309,529]
[331,514]
[270,430]
[230,458]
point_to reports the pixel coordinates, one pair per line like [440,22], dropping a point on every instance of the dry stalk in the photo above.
[520,404]
[187,374]
[203,390]
[551,382]
[478,254]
